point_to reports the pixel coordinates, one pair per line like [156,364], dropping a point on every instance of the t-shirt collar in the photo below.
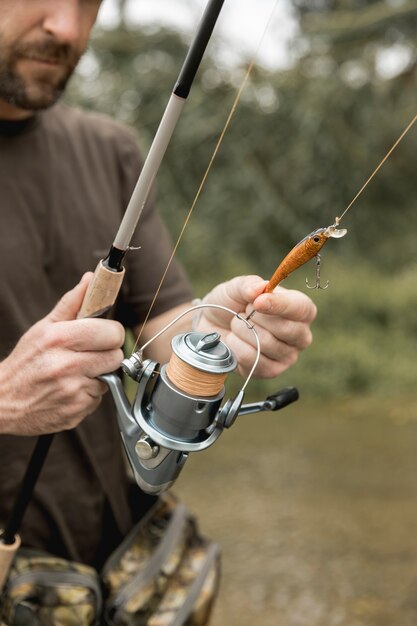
[10,128]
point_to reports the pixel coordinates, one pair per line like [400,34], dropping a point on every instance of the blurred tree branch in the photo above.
[361,23]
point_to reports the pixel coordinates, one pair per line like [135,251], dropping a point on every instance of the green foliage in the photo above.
[298,149]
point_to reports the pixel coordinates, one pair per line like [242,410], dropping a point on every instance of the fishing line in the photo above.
[390,151]
[206,173]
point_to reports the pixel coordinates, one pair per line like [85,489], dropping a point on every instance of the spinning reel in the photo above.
[177,408]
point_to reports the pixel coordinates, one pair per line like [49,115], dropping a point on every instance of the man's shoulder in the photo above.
[64,121]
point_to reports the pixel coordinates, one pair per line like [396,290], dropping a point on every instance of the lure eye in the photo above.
[316,239]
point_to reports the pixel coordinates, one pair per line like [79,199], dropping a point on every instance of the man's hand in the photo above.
[48,383]
[282,321]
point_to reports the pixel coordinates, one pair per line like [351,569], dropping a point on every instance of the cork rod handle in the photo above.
[102,292]
[7,553]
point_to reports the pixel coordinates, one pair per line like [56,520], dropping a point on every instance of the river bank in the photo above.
[316,512]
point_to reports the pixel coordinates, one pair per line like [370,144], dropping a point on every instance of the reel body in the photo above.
[178,407]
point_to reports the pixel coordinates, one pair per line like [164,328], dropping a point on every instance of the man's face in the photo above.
[41,42]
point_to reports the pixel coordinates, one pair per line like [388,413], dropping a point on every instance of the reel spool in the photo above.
[189,390]
[177,408]
[200,363]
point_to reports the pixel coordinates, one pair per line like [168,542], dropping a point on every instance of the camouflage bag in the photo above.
[164,573]
[43,590]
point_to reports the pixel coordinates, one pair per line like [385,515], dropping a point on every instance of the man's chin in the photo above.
[32,96]
[37,100]
[33,86]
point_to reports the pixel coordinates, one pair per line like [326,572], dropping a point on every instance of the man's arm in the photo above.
[282,320]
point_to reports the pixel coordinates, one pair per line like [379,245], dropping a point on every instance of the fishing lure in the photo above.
[304,251]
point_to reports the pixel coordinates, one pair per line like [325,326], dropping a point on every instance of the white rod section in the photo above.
[149,171]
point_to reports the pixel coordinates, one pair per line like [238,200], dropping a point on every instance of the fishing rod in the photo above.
[9,538]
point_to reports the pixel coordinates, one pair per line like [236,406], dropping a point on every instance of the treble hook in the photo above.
[318,284]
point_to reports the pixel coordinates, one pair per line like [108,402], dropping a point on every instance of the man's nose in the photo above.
[62,20]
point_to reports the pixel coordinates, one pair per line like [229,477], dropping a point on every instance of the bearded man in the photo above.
[65,179]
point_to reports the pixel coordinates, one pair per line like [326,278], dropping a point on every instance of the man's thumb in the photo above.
[67,308]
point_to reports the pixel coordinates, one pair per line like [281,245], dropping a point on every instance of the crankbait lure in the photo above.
[306,249]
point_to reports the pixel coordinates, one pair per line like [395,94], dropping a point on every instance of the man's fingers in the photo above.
[237,293]
[287,303]
[97,389]
[234,294]
[293,333]
[80,365]
[94,364]
[87,334]
[243,289]
[275,343]
[266,368]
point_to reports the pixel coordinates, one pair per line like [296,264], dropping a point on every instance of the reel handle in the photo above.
[274,402]
[283,398]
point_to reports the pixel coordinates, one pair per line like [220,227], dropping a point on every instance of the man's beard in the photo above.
[40,91]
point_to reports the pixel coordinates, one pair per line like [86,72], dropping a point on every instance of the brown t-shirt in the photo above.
[65,180]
